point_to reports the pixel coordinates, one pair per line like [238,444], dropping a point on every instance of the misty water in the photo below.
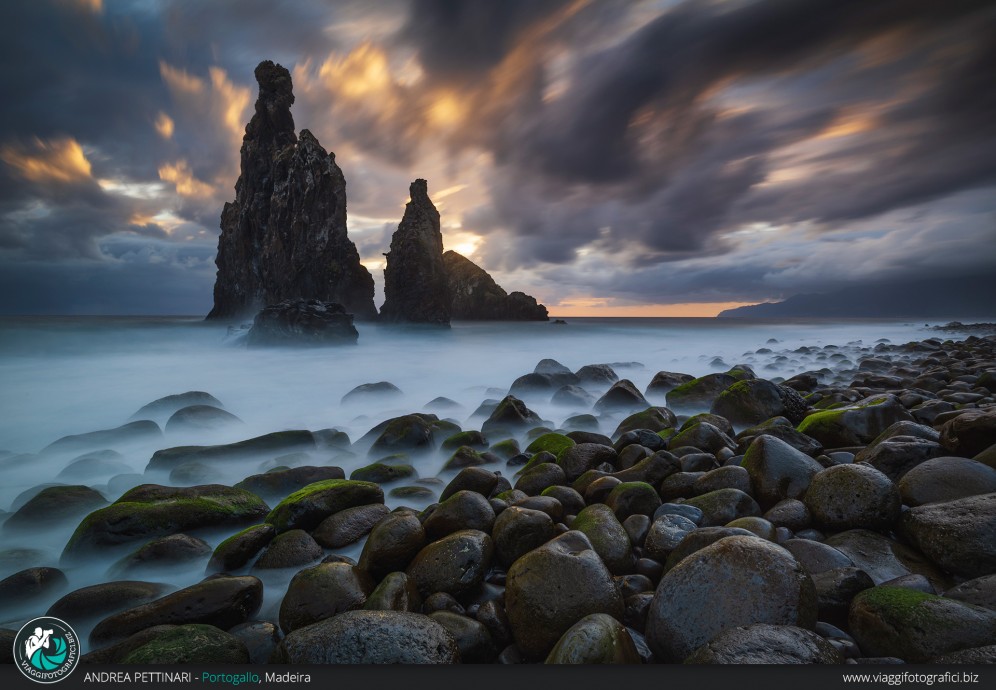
[62,376]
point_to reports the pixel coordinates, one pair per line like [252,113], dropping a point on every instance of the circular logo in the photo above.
[46,650]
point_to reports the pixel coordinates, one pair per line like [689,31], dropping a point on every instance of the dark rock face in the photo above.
[284,236]
[477,297]
[416,288]
[302,322]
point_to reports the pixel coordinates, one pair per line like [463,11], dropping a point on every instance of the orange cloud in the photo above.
[56,160]
[183,179]
[230,100]
[164,125]
[180,80]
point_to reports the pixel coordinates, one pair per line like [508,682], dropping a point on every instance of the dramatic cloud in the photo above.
[600,154]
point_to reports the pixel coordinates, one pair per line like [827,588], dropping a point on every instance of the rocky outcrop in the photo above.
[284,236]
[477,297]
[302,322]
[416,289]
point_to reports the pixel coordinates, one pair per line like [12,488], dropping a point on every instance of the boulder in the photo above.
[946,479]
[766,644]
[323,591]
[595,639]
[750,402]
[856,424]
[190,644]
[770,586]
[777,470]
[956,535]
[477,297]
[308,507]
[455,564]
[970,433]
[236,551]
[852,496]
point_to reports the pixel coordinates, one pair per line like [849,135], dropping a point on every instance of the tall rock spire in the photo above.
[416,289]
[284,236]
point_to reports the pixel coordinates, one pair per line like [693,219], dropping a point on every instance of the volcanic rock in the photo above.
[284,236]
[477,297]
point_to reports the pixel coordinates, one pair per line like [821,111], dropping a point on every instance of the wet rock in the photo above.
[724,505]
[132,432]
[578,459]
[299,322]
[573,396]
[518,531]
[946,479]
[595,639]
[510,416]
[703,436]
[347,526]
[52,505]
[835,589]
[666,532]
[790,513]
[162,408]
[90,466]
[475,479]
[777,470]
[622,395]
[599,374]
[392,544]
[22,592]
[770,585]
[462,510]
[728,477]
[856,424]
[284,235]
[370,637]
[83,605]
[308,507]
[969,433]
[396,592]
[981,592]
[196,418]
[472,638]
[766,644]
[291,549]
[782,429]
[278,483]
[666,381]
[956,535]
[853,496]
[190,644]
[633,498]
[746,403]
[535,481]
[698,394]
[552,587]
[898,455]
[263,447]
[916,627]
[885,559]
[162,555]
[236,551]
[221,601]
[455,564]
[406,434]
[323,591]
[816,557]
[150,510]
[607,536]
[260,639]
[382,390]
[416,283]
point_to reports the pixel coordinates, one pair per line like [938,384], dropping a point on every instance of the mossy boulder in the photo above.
[750,402]
[915,626]
[291,549]
[473,439]
[267,446]
[518,531]
[133,432]
[510,416]
[852,496]
[506,449]
[608,537]
[196,418]
[382,473]
[703,436]
[279,482]
[150,511]
[462,510]
[551,443]
[622,395]
[236,551]
[396,592]
[410,433]
[722,506]
[654,419]
[465,456]
[190,644]
[307,507]
[582,457]
[455,564]
[165,406]
[632,498]
[698,394]
[856,424]
[162,555]
[392,544]
[347,526]
[595,639]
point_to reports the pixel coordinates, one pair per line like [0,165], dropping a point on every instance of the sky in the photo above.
[609,157]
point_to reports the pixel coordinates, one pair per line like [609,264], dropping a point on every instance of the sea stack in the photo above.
[416,289]
[477,297]
[284,236]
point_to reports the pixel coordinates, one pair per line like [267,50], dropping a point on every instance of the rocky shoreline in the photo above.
[845,515]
